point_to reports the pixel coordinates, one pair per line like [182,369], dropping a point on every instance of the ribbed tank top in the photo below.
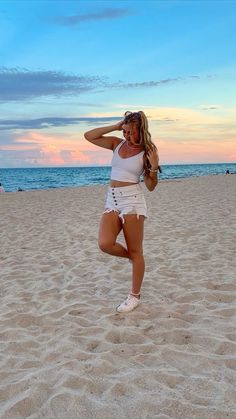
[128,169]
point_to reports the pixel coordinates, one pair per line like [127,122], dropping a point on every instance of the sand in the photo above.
[66,353]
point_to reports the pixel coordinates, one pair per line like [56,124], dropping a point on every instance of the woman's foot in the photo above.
[130,303]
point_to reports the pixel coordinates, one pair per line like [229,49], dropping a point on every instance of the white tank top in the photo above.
[128,169]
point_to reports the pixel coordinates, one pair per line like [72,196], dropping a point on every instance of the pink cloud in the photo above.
[58,150]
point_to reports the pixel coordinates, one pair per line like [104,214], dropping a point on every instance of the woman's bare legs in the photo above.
[133,233]
[110,227]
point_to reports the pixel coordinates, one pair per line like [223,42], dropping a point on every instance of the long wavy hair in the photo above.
[140,120]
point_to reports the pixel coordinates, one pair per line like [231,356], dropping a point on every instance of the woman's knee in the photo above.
[136,253]
[104,245]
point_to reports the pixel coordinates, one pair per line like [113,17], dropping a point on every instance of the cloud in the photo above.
[172,114]
[39,149]
[209,107]
[50,122]
[183,116]
[17,84]
[145,83]
[106,14]
[154,83]
[7,138]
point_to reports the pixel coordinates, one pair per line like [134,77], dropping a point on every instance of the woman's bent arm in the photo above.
[151,175]
[96,136]
[151,180]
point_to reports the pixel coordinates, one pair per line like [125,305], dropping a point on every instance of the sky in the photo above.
[70,66]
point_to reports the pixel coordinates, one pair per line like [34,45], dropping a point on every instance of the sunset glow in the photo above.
[67,68]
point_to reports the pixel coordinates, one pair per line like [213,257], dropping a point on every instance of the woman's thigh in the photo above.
[110,227]
[133,229]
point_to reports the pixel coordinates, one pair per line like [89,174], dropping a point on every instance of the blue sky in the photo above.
[67,66]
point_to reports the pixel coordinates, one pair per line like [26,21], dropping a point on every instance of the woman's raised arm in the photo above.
[97,136]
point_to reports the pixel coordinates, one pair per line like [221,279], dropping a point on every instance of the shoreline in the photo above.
[180,179]
[65,352]
[27,179]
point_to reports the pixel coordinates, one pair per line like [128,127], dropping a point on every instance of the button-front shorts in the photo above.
[126,200]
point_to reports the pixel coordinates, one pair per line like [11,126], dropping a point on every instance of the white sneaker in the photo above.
[130,303]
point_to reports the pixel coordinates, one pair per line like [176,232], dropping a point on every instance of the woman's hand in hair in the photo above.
[120,125]
[153,158]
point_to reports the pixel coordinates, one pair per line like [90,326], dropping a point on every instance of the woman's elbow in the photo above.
[152,186]
[86,135]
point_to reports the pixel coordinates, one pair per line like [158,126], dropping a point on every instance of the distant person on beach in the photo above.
[1,188]
[125,207]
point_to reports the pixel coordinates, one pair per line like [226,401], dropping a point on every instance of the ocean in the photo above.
[28,179]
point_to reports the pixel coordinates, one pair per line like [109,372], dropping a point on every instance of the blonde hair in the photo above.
[140,120]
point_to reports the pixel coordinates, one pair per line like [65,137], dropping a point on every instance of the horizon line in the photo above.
[99,165]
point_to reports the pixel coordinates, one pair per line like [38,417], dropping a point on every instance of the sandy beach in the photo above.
[67,354]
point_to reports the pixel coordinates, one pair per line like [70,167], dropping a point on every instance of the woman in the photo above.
[125,205]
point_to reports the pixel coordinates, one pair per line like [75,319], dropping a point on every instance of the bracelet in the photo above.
[154,171]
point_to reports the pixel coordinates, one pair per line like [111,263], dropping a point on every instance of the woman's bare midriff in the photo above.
[118,184]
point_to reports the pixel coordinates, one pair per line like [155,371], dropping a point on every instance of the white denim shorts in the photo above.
[126,200]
